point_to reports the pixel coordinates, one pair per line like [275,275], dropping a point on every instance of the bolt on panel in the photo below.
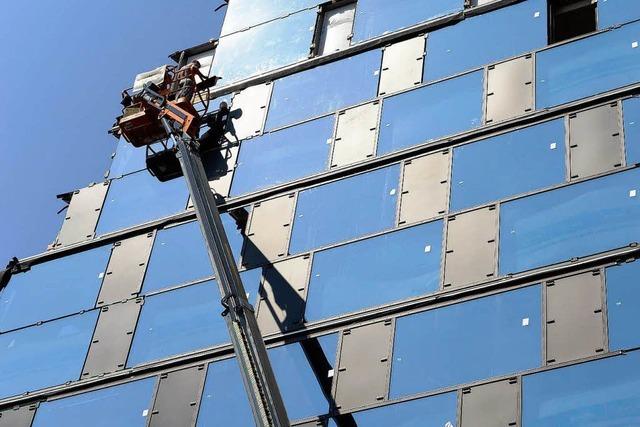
[337,26]
[595,141]
[176,401]
[355,135]
[491,405]
[126,269]
[364,364]
[510,89]
[425,188]
[471,247]
[18,417]
[82,214]
[112,338]
[575,321]
[248,111]
[402,65]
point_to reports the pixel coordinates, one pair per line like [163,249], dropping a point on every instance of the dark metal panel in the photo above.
[575,322]
[595,141]
[112,338]
[176,401]
[425,188]
[363,365]
[282,296]
[471,247]
[126,269]
[402,65]
[248,111]
[491,405]
[355,135]
[510,89]
[268,232]
[21,416]
[82,214]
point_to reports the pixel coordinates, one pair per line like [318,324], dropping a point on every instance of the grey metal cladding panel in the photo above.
[282,295]
[268,232]
[82,214]
[491,405]
[471,247]
[575,322]
[425,188]
[112,338]
[126,269]
[402,65]
[248,111]
[337,27]
[355,135]
[595,141]
[510,89]
[177,397]
[363,365]
[219,167]
[18,417]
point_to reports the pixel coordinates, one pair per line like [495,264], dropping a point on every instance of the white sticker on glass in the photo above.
[392,192]
[553,146]
[330,373]
[525,321]
[101,275]
[633,193]
[536,15]
[145,412]
[427,249]
[634,45]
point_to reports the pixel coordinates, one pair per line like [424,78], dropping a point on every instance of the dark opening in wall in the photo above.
[571,18]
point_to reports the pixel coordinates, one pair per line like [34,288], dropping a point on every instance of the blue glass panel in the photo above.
[574,221]
[486,38]
[631,113]
[179,256]
[235,232]
[427,113]
[283,156]
[623,305]
[377,17]
[345,209]
[587,67]
[395,266]
[178,321]
[139,198]
[613,12]
[344,83]
[243,14]
[54,289]
[127,159]
[265,47]
[595,394]
[436,411]
[46,355]
[251,282]
[509,164]
[461,343]
[124,405]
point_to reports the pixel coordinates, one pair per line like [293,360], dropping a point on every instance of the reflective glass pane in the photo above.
[345,209]
[127,159]
[283,156]
[395,266]
[573,221]
[251,282]
[486,38]
[46,355]
[235,231]
[53,289]
[509,164]
[588,67]
[431,112]
[613,12]
[595,394]
[631,113]
[377,17]
[179,256]
[264,48]
[461,343]
[435,411]
[623,305]
[125,405]
[139,198]
[344,83]
[178,321]
[243,14]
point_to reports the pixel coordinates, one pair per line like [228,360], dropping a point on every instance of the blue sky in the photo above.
[64,65]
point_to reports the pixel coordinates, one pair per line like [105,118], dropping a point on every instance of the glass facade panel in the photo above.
[176,322]
[125,405]
[574,221]
[631,113]
[461,343]
[283,156]
[509,164]
[395,266]
[486,38]
[613,12]
[53,289]
[431,112]
[139,198]
[435,411]
[235,232]
[588,67]
[344,83]
[623,305]
[600,393]
[243,14]
[378,17]
[345,209]
[46,355]
[127,159]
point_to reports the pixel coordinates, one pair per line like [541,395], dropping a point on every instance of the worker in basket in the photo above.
[186,77]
